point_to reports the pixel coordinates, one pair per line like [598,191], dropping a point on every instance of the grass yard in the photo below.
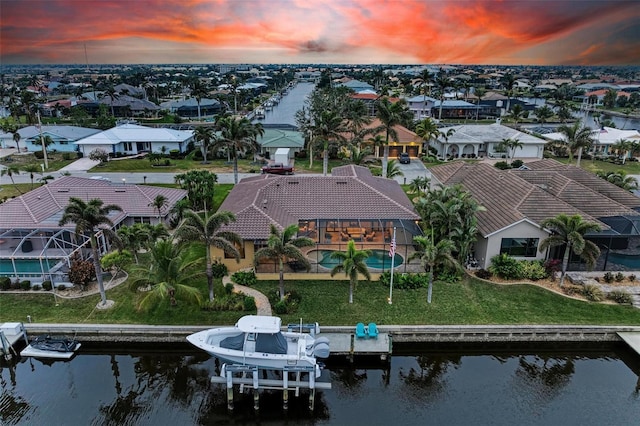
[593,166]
[467,302]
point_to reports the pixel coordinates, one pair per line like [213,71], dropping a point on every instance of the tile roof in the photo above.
[547,189]
[43,206]
[481,133]
[136,133]
[404,135]
[351,192]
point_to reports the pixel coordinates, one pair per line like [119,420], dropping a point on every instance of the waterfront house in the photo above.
[351,204]
[32,244]
[63,137]
[516,201]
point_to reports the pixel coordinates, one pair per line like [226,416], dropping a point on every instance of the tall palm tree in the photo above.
[282,246]
[238,135]
[133,238]
[508,81]
[517,113]
[159,203]
[113,95]
[543,114]
[89,218]
[204,135]
[426,78]
[32,169]
[419,185]
[173,268]
[390,115]
[576,137]
[199,91]
[433,256]
[510,145]
[622,147]
[328,128]
[442,82]
[479,92]
[206,230]
[569,231]
[352,263]
[427,130]
[10,171]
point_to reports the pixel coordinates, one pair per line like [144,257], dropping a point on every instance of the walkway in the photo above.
[262,303]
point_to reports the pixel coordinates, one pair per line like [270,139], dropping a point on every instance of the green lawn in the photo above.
[467,302]
[593,166]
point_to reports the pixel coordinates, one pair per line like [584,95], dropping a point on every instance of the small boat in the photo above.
[258,341]
[51,347]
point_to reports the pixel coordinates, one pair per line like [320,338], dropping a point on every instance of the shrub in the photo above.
[100,155]
[46,285]
[502,165]
[61,287]
[38,154]
[25,285]
[280,308]
[81,271]
[408,281]
[174,153]
[631,277]
[619,277]
[36,288]
[572,289]
[249,304]
[608,277]
[593,293]
[228,288]
[506,267]
[246,278]
[552,266]
[5,283]
[219,270]
[516,163]
[533,271]
[621,297]
[447,276]
[484,274]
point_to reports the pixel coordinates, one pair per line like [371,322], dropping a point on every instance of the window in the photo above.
[138,219]
[127,146]
[523,247]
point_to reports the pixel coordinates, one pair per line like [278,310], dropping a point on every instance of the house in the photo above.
[421,106]
[516,201]
[603,139]
[407,141]
[356,85]
[188,108]
[453,108]
[130,139]
[63,137]
[351,204]
[482,140]
[129,106]
[273,139]
[32,244]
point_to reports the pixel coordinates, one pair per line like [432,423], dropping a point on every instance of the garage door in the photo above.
[413,151]
[394,151]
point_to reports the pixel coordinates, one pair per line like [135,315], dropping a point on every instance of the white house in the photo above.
[482,140]
[603,138]
[130,139]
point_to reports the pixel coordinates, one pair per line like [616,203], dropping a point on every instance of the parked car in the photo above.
[404,158]
[278,169]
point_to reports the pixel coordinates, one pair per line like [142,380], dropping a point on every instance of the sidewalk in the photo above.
[262,303]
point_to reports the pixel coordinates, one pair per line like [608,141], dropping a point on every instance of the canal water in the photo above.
[285,112]
[169,385]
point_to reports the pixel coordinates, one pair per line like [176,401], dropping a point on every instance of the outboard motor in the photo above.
[321,347]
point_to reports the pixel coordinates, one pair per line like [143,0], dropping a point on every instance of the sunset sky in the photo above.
[542,32]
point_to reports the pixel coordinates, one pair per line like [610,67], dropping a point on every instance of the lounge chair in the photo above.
[373,330]
[361,332]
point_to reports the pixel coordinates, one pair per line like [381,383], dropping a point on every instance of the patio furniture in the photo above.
[372,330]
[345,237]
[370,237]
[361,332]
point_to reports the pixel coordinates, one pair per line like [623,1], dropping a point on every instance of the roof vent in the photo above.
[121,190]
[293,182]
[63,190]
[341,182]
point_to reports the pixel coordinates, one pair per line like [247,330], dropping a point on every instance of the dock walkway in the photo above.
[632,339]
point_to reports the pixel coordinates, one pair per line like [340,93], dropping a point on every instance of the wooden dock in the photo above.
[348,344]
[632,339]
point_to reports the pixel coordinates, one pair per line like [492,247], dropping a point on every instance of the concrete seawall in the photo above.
[399,333]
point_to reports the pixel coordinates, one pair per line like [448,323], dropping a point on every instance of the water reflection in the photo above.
[121,386]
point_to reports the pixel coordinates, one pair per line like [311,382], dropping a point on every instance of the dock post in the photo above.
[229,376]
[312,390]
[285,390]
[5,346]
[256,394]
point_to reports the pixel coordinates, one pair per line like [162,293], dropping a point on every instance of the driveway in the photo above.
[412,170]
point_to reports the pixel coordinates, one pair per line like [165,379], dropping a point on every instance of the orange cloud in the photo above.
[431,31]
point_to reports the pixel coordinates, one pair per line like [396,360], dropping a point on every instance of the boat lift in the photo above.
[229,372]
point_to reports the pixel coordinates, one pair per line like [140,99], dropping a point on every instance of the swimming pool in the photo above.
[379,259]
[628,260]
[29,266]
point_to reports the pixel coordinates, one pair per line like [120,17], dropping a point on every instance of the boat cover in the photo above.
[233,342]
[271,343]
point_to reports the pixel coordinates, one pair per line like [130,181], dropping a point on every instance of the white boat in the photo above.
[258,341]
[51,347]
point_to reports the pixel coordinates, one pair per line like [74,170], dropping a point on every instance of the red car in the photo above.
[278,169]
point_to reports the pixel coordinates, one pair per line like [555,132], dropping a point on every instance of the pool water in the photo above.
[379,259]
[25,265]
[628,260]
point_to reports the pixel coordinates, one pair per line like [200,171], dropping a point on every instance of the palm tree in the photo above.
[622,147]
[133,238]
[479,92]
[569,231]
[205,136]
[32,169]
[90,218]
[433,256]
[620,179]
[543,114]
[517,113]
[510,145]
[238,135]
[426,78]
[577,137]
[352,263]
[442,82]
[113,95]
[283,246]
[419,185]
[427,130]
[173,268]
[198,91]
[508,81]
[159,203]
[328,128]
[207,231]
[391,115]
[10,171]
